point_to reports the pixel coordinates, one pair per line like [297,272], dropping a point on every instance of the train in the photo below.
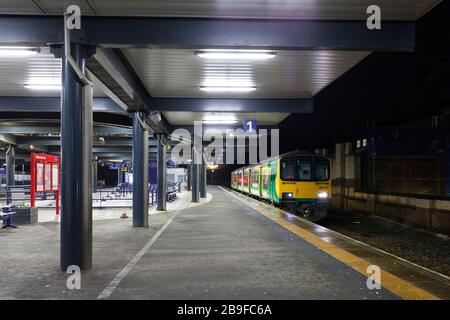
[299,181]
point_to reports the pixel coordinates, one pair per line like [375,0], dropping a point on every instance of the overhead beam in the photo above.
[106,90]
[114,68]
[55,141]
[9,139]
[117,68]
[233,105]
[22,127]
[211,33]
[118,150]
[26,147]
[99,149]
[51,104]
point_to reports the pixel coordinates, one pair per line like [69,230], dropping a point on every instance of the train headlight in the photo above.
[322,195]
[288,195]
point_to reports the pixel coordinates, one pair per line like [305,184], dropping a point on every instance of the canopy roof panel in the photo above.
[290,74]
[246,9]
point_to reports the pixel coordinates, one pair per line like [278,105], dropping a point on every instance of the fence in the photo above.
[119,196]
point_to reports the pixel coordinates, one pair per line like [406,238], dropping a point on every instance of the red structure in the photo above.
[45,176]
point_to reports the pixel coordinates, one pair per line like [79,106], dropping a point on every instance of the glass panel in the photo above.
[47,177]
[39,177]
[55,177]
[304,170]
[321,169]
[288,169]
[266,181]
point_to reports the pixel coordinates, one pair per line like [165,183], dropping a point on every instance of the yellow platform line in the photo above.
[396,285]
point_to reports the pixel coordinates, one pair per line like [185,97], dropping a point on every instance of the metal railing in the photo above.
[20,195]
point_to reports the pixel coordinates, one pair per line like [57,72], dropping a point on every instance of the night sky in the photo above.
[388,87]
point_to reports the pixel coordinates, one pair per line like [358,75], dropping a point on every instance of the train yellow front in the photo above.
[297,180]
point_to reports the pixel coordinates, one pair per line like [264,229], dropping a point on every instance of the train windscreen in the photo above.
[305,168]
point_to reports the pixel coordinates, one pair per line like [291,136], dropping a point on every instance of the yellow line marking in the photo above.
[401,288]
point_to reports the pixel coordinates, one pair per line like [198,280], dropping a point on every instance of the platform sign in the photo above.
[249,126]
[45,176]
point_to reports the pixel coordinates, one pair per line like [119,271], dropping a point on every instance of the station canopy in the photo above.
[183,74]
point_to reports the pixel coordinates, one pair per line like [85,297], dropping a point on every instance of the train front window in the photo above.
[321,169]
[288,169]
[304,168]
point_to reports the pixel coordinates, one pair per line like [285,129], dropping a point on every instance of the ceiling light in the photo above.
[43,86]
[225,116]
[228,89]
[236,54]
[14,52]
[220,121]
[245,82]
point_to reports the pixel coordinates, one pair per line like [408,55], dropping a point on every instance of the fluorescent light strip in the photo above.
[236,54]
[43,87]
[220,121]
[209,83]
[227,89]
[17,52]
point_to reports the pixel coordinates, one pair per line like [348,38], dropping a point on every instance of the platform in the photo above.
[227,247]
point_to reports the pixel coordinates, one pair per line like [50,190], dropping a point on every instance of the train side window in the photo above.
[254,177]
[266,180]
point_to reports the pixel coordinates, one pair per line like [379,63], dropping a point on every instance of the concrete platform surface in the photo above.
[220,249]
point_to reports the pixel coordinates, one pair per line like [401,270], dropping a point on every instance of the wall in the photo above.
[417,211]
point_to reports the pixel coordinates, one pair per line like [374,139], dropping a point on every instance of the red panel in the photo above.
[39,162]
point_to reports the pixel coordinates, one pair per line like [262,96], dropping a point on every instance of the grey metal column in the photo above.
[203,178]
[195,176]
[10,166]
[76,166]
[189,175]
[10,171]
[162,175]
[94,175]
[140,173]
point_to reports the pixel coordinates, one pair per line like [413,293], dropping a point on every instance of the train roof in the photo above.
[281,156]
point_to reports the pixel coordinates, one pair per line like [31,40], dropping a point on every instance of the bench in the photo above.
[6,214]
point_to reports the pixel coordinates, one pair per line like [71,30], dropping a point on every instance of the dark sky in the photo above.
[390,87]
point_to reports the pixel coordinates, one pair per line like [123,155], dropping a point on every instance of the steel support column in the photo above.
[140,173]
[94,175]
[162,175]
[76,166]
[189,175]
[10,171]
[195,175]
[203,178]
[10,165]
[119,175]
